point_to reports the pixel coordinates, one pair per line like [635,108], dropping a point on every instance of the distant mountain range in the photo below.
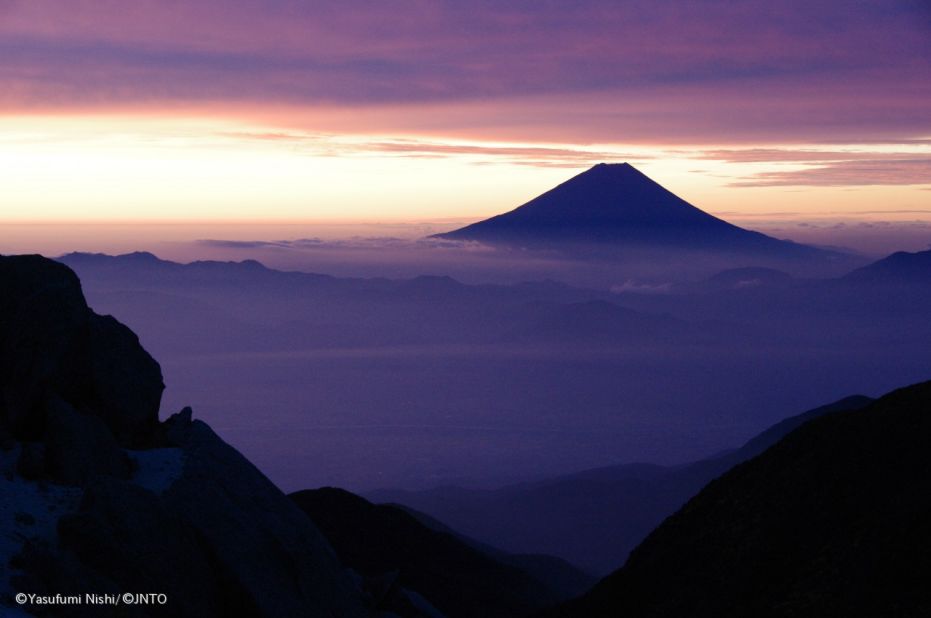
[591,518]
[833,520]
[617,205]
[517,357]
[424,308]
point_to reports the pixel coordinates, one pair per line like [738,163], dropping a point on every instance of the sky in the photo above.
[317,111]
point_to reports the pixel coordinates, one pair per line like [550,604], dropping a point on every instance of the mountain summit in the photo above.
[616,203]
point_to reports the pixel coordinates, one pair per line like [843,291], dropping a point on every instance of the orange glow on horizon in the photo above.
[148,168]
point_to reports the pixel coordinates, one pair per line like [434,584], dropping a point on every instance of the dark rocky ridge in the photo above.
[103,498]
[458,579]
[51,343]
[834,520]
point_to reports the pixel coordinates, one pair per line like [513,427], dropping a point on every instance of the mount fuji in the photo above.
[615,206]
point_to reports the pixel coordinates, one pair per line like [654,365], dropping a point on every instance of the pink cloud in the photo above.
[588,71]
[879,171]
[802,155]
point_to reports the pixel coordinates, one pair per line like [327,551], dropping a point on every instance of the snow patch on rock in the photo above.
[157,469]
[28,510]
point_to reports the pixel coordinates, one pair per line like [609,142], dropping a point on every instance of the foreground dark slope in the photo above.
[593,518]
[834,520]
[389,545]
[98,496]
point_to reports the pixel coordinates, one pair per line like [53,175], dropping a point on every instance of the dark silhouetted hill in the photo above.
[592,518]
[386,543]
[900,267]
[833,520]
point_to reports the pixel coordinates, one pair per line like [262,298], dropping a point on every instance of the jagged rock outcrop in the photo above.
[52,344]
[100,497]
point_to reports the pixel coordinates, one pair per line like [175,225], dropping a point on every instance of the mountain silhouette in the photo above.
[595,517]
[616,203]
[830,521]
[392,547]
[100,496]
[900,267]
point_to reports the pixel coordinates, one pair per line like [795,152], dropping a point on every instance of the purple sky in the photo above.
[273,109]
[607,71]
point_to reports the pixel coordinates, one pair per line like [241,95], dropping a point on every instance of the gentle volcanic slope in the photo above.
[616,203]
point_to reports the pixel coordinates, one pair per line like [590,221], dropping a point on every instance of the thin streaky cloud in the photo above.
[915,171]
[543,156]
[801,155]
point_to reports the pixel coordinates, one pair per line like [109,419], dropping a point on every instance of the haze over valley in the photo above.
[432,309]
[423,381]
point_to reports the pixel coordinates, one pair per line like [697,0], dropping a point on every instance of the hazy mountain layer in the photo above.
[898,268]
[414,383]
[592,518]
